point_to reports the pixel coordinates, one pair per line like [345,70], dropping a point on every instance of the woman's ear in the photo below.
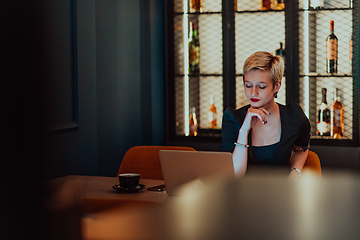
[277,87]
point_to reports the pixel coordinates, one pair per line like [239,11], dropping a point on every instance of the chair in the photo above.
[146,161]
[313,163]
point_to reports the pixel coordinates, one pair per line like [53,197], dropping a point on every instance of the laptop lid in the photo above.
[180,167]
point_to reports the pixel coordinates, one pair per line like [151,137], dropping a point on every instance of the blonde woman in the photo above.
[265,134]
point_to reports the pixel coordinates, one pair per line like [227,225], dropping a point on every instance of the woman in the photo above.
[265,134]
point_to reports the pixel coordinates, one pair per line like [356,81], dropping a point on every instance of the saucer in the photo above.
[129,190]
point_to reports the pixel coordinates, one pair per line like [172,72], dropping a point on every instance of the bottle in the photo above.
[196,5]
[331,50]
[278,4]
[280,51]
[193,122]
[194,50]
[323,125]
[337,117]
[266,5]
[212,114]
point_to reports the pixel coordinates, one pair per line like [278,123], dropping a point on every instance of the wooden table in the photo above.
[256,207]
[77,203]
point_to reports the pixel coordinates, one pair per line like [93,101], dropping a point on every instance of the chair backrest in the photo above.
[313,163]
[146,161]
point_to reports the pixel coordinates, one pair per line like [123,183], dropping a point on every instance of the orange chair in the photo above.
[313,163]
[146,161]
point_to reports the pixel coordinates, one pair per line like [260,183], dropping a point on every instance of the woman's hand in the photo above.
[253,115]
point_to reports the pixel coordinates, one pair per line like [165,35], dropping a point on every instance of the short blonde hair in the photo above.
[265,61]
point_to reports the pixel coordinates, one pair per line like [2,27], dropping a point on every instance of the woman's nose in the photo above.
[254,92]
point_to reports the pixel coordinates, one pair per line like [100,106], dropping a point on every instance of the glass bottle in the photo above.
[280,51]
[323,125]
[194,50]
[196,5]
[278,4]
[193,122]
[212,114]
[265,5]
[337,117]
[331,51]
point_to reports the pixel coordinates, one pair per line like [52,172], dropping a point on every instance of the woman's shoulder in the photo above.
[236,114]
[294,112]
[292,108]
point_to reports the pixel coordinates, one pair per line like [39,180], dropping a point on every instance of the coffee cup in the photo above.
[129,180]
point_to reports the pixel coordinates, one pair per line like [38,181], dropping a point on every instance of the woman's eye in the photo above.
[262,87]
[248,85]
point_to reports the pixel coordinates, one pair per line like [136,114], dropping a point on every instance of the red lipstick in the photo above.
[254,99]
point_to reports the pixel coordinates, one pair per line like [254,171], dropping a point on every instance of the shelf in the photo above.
[325,75]
[259,11]
[199,75]
[322,141]
[327,138]
[324,9]
[196,13]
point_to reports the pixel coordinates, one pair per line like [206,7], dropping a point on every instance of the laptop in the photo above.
[180,167]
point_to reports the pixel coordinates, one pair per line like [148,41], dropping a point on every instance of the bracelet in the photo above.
[241,145]
[296,170]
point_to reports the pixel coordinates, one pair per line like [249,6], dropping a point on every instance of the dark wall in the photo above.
[73,151]
[120,83]
[129,60]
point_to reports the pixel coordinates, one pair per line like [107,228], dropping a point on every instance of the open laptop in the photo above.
[180,167]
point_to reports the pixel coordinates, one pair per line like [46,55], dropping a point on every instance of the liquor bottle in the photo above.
[337,117]
[278,4]
[331,51]
[193,122]
[323,125]
[280,51]
[212,114]
[196,5]
[194,50]
[266,5]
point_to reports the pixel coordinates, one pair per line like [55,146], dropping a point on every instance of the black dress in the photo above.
[295,131]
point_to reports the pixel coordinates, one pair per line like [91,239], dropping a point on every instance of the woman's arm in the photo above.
[302,143]
[240,152]
[298,160]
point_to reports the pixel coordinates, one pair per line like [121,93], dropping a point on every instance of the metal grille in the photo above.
[179,44]
[256,31]
[210,28]
[207,83]
[210,87]
[179,106]
[314,27]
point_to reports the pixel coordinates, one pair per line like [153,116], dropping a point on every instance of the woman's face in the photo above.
[259,88]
